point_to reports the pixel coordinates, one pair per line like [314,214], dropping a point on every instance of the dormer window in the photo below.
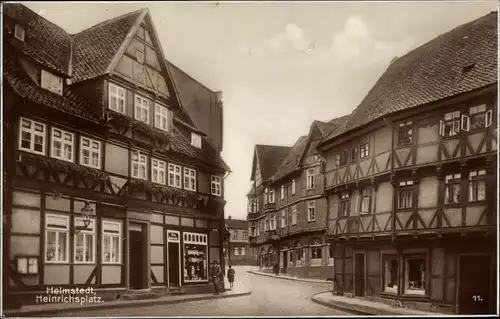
[196,140]
[51,82]
[19,32]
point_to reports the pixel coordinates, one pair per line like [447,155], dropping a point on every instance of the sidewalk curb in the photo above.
[289,278]
[117,304]
[341,308]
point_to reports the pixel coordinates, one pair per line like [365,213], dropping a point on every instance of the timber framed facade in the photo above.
[96,125]
[413,212]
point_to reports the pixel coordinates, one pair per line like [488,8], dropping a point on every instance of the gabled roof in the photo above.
[459,61]
[326,128]
[269,158]
[236,223]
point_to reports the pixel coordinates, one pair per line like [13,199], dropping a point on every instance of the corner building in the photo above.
[411,179]
[109,182]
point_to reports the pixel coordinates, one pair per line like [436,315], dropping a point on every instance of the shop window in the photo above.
[189,179]
[195,257]
[141,109]
[344,205]
[405,194]
[364,148]
[62,145]
[316,251]
[450,126]
[390,279]
[32,136]
[415,275]
[301,257]
[477,185]
[174,175]
[452,195]
[158,172]
[90,152]
[27,265]
[405,134]
[116,98]
[139,165]
[56,238]
[111,242]
[84,241]
[216,185]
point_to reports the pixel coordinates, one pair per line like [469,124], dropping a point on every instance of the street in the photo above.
[270,297]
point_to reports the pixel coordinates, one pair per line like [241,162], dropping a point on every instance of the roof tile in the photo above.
[270,157]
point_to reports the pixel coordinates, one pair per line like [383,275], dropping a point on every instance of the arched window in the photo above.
[316,248]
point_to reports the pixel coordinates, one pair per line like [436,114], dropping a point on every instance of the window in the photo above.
[19,32]
[234,234]
[90,152]
[310,178]
[311,214]
[452,195]
[243,253]
[316,251]
[196,140]
[477,185]
[111,242]
[405,194]
[266,223]
[364,148]
[56,238]
[293,187]
[478,118]
[272,223]
[366,199]
[450,126]
[282,192]
[301,257]
[216,185]
[354,154]
[283,218]
[341,158]
[414,275]
[244,235]
[139,165]
[405,133]
[158,173]
[84,242]
[390,275]
[294,215]
[236,251]
[253,230]
[189,179]
[290,258]
[272,198]
[266,196]
[344,205]
[62,145]
[257,204]
[262,225]
[163,118]
[141,108]
[27,265]
[174,175]
[51,82]
[116,98]
[32,136]
[195,257]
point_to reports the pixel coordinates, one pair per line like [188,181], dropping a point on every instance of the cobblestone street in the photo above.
[270,297]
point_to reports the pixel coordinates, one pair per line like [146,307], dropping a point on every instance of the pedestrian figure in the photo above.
[218,278]
[230,276]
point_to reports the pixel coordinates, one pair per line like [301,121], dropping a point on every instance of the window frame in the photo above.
[140,108]
[272,221]
[311,211]
[32,131]
[65,231]
[365,193]
[189,180]
[216,185]
[159,171]
[196,140]
[364,147]
[385,258]
[282,192]
[85,232]
[91,150]
[405,133]
[18,27]
[341,158]
[405,187]
[475,112]
[454,122]
[112,235]
[344,204]
[476,177]
[315,247]
[47,80]
[293,187]
[116,94]
[272,197]
[310,179]
[353,154]
[405,267]
[162,116]
[283,218]
[294,213]
[63,142]
[139,164]
[175,174]
[450,182]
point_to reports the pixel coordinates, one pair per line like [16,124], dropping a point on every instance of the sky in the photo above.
[279,65]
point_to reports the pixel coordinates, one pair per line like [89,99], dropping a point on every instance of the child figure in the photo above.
[230,276]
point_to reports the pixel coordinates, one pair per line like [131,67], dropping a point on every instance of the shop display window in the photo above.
[195,257]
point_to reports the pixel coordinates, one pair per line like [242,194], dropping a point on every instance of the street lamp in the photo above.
[87,211]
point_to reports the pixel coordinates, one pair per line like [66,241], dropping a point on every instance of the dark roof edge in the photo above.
[192,78]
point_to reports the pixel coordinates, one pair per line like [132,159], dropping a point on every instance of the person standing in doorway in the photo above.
[230,276]
[218,278]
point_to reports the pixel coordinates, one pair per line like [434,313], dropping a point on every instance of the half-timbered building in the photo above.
[411,179]
[109,183]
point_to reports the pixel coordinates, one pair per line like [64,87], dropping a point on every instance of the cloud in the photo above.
[355,43]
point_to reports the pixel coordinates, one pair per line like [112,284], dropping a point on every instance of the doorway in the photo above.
[474,290]
[359,275]
[137,255]
[285,260]
[173,253]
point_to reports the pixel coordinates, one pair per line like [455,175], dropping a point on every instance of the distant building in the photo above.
[238,252]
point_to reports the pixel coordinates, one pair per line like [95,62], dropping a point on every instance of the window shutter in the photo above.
[441,127]
[489,118]
[465,123]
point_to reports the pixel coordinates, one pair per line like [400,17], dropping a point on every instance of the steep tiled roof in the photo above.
[459,61]
[94,48]
[44,41]
[26,88]
[327,128]
[270,157]
[236,223]
[292,160]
